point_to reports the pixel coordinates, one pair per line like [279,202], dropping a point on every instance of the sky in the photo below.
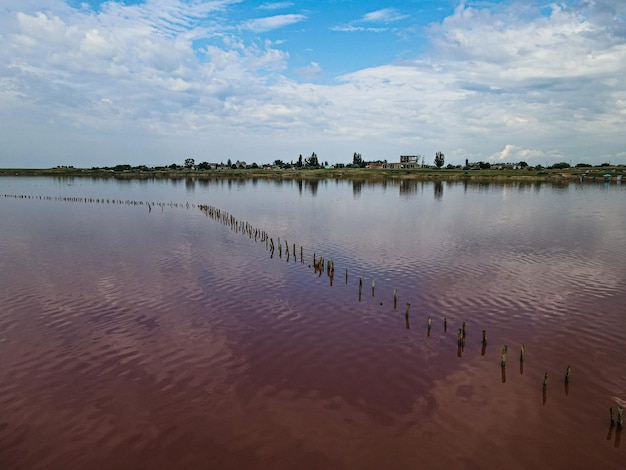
[153,82]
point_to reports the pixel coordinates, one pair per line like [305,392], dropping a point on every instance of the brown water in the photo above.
[136,336]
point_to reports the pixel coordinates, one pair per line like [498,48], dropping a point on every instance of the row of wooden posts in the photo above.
[320,266]
[96,200]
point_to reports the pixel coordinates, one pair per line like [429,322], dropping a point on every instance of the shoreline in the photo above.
[558,176]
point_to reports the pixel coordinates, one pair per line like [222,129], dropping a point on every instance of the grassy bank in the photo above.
[594,174]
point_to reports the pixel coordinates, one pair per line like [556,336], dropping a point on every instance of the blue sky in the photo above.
[153,82]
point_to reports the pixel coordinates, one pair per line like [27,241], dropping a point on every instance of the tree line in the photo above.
[313,162]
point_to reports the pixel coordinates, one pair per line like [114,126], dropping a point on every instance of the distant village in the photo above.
[312,162]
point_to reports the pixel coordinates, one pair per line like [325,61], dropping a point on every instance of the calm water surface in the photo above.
[155,336]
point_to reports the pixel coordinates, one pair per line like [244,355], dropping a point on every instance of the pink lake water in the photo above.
[136,331]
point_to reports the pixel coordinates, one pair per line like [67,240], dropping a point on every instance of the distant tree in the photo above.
[604,164]
[299,163]
[357,159]
[484,165]
[466,162]
[440,159]
[229,163]
[522,164]
[203,166]
[189,162]
[561,165]
[312,160]
[325,163]
[279,163]
[583,165]
[173,166]
[254,165]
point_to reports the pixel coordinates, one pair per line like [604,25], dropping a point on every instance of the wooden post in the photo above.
[395,298]
[360,284]
[372,288]
[504,351]
[346,275]
[484,341]
[463,328]
[445,324]
[545,381]
[567,374]
[429,321]
[521,353]
[620,417]
[611,415]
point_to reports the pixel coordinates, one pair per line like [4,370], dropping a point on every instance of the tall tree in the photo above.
[189,162]
[440,159]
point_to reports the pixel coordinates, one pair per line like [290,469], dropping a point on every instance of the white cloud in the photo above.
[385,15]
[352,29]
[275,5]
[497,84]
[311,71]
[269,23]
[513,154]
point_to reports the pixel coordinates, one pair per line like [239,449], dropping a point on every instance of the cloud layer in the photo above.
[161,80]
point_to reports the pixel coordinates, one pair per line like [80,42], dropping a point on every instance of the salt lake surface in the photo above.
[138,332]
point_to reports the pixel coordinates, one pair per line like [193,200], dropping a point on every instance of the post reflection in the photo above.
[438,187]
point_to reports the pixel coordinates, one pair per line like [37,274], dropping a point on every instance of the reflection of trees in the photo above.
[438,185]
[190,184]
[357,187]
[409,187]
[312,186]
[64,180]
